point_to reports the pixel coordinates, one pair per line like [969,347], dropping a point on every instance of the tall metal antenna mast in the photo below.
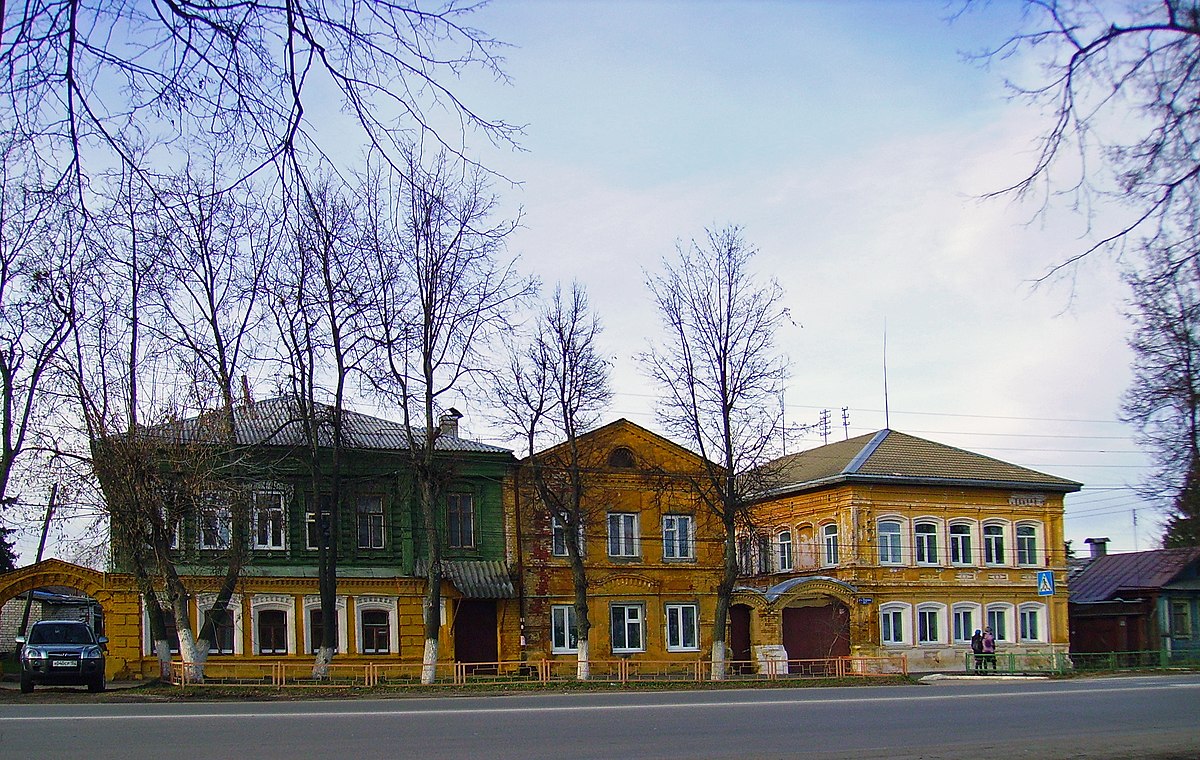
[887,422]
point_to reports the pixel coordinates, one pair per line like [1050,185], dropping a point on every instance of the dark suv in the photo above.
[62,652]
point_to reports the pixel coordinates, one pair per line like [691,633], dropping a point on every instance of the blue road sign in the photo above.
[1045,581]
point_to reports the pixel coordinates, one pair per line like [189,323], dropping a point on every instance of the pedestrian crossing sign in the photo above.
[1045,582]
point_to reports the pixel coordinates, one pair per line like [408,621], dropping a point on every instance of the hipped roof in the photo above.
[280,422]
[888,456]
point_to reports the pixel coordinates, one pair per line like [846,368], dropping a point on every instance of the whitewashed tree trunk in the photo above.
[193,652]
[718,661]
[162,650]
[320,671]
[429,662]
[583,666]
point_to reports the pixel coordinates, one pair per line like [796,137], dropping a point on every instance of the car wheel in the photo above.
[97,685]
[26,685]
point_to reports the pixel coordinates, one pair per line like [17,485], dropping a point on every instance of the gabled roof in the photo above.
[278,422]
[620,428]
[888,456]
[1130,574]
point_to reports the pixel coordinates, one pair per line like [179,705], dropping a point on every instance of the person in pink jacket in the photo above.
[989,648]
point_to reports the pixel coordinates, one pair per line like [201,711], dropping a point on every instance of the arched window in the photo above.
[931,623]
[999,617]
[1031,619]
[893,623]
[622,457]
[785,550]
[960,544]
[967,619]
[889,542]
[1027,544]
[377,632]
[926,543]
[829,542]
[993,544]
[273,621]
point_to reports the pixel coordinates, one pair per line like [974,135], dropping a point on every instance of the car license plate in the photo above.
[64,664]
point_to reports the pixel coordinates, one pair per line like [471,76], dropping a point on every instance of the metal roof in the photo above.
[891,456]
[279,422]
[476,579]
[1130,574]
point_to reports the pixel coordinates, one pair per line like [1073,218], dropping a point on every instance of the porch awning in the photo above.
[477,579]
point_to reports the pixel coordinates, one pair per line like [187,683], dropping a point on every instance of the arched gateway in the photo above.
[115,592]
[809,617]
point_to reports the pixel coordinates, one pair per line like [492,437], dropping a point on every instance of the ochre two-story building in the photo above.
[892,544]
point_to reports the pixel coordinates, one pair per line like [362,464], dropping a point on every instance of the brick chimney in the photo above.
[1099,546]
[448,423]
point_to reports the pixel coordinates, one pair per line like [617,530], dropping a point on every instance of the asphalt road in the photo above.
[1139,717]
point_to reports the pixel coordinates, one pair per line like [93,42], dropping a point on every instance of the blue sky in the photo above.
[852,141]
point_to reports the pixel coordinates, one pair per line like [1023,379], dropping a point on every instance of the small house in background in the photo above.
[1137,601]
[52,603]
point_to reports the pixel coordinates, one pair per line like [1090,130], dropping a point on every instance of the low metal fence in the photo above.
[1013,663]
[295,674]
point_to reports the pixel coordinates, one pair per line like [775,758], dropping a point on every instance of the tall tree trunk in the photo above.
[583,623]
[724,594]
[433,582]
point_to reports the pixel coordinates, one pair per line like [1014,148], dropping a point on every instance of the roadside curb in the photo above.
[971,677]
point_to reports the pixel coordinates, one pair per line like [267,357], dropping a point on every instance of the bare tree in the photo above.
[85,79]
[40,260]
[1119,87]
[722,380]
[322,307]
[160,319]
[558,389]
[1163,399]
[444,296]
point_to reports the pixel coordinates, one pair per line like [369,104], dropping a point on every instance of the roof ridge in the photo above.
[862,456]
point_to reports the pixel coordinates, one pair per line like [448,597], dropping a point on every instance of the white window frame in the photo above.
[830,554]
[993,555]
[678,617]
[1000,617]
[961,632]
[679,534]
[930,614]
[205,601]
[961,544]
[626,538]
[314,506]
[1038,627]
[278,511]
[377,604]
[168,614]
[564,629]
[313,602]
[890,541]
[892,614]
[783,544]
[1028,546]
[925,542]
[277,602]
[636,622]
[558,538]
[211,507]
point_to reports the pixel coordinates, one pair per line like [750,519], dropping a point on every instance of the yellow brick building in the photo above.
[889,544]
[652,554]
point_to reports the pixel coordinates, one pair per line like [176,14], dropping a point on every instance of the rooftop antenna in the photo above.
[886,416]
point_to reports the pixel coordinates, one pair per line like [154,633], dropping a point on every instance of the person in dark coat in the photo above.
[977,649]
